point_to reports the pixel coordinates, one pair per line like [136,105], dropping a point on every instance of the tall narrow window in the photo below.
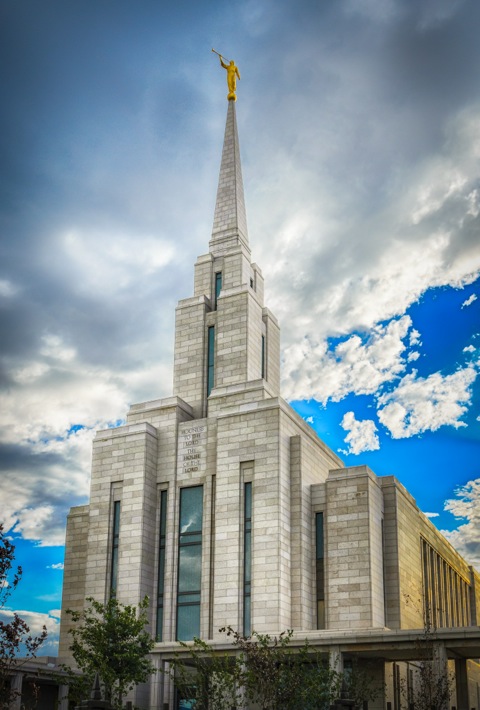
[210,359]
[189,563]
[247,562]
[161,564]
[320,571]
[263,357]
[115,545]
[218,287]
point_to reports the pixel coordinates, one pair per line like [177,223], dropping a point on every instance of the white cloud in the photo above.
[36,621]
[54,348]
[309,420]
[361,436]
[469,300]
[52,395]
[414,337]
[38,524]
[56,565]
[425,404]
[469,349]
[332,276]
[432,515]
[116,266]
[466,506]
[352,366]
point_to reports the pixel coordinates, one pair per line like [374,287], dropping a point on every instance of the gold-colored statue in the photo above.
[232,74]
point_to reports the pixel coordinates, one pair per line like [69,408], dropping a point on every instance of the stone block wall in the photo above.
[74,592]
[353,550]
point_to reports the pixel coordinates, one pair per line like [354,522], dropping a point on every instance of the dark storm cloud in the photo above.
[15,458]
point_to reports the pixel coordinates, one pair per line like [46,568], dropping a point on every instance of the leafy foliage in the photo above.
[15,637]
[111,640]
[262,670]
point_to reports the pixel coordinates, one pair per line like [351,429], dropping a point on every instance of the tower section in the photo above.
[226,341]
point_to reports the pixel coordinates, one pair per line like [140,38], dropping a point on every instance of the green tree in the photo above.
[209,679]
[111,640]
[17,645]
[259,669]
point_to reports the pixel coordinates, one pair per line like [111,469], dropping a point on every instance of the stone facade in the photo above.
[225,428]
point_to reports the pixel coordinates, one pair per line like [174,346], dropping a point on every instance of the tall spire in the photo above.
[230,220]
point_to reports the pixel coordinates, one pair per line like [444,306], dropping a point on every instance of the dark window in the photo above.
[161,564]
[320,570]
[211,359]
[218,287]
[115,545]
[189,563]
[247,561]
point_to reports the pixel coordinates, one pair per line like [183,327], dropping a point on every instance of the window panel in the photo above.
[218,287]
[115,548]
[211,359]
[320,570]
[161,564]
[189,563]
[191,509]
[247,559]
[188,621]
[189,568]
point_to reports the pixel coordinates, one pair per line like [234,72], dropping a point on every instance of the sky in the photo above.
[359,124]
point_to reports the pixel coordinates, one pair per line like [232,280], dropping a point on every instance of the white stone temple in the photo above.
[224,507]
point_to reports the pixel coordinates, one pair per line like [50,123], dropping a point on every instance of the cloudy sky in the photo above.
[359,126]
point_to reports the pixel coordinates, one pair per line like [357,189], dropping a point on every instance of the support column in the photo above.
[63,697]
[156,684]
[16,683]
[441,685]
[461,684]
[336,659]
[167,695]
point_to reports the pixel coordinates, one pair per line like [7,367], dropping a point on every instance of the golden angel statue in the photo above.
[232,74]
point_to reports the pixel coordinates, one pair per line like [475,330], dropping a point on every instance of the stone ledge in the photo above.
[126,430]
[165,403]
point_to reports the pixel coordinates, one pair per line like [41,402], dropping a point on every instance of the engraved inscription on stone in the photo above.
[192,442]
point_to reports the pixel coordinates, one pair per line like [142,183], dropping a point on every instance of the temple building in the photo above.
[223,506]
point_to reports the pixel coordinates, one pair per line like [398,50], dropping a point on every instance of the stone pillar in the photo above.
[16,683]
[461,684]
[440,661]
[63,697]
[336,659]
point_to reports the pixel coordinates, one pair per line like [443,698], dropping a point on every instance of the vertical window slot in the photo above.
[115,548]
[218,287]
[320,570]
[263,358]
[211,360]
[189,563]
[247,561]
[161,564]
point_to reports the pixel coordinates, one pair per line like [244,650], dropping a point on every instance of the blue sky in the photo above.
[359,126]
